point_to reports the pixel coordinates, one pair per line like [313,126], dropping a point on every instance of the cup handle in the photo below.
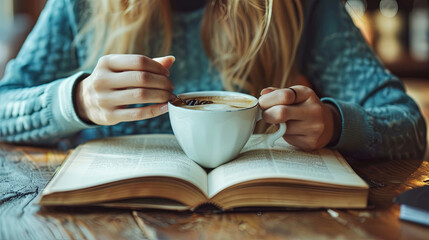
[271,138]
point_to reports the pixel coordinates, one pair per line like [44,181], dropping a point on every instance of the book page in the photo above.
[257,161]
[112,159]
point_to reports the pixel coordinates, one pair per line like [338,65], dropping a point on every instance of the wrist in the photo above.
[336,124]
[78,102]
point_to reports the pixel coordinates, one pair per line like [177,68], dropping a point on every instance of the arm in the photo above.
[378,119]
[35,94]
[39,109]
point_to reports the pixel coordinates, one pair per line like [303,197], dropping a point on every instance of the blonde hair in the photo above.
[252,43]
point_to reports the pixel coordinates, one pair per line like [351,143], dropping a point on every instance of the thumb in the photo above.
[166,61]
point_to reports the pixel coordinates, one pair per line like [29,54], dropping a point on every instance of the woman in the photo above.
[257,46]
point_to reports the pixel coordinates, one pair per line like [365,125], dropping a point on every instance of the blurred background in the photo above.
[17,18]
[397,30]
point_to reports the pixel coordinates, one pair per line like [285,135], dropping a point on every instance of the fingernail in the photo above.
[164,108]
[174,58]
[262,91]
[268,90]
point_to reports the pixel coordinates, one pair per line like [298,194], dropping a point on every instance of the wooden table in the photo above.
[24,171]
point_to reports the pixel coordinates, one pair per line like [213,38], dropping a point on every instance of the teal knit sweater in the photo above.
[378,119]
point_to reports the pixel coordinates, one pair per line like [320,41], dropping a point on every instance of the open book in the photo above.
[152,171]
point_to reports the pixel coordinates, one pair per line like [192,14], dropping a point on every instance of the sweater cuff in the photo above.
[63,108]
[354,128]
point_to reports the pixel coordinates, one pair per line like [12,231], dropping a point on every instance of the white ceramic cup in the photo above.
[211,138]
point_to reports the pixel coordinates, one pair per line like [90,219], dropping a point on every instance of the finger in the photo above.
[285,96]
[166,61]
[283,113]
[268,90]
[132,62]
[136,95]
[136,79]
[303,142]
[298,141]
[298,127]
[141,113]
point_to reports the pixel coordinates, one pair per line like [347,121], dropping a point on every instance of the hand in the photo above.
[123,79]
[310,123]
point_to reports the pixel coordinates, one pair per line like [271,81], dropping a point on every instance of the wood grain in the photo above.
[24,171]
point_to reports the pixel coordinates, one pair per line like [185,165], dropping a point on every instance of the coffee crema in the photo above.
[215,103]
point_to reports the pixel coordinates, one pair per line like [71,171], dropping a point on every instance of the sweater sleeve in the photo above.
[36,92]
[379,120]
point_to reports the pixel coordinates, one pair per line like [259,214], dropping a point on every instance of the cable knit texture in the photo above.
[378,118]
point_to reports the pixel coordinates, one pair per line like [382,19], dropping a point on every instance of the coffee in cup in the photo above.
[212,127]
[215,103]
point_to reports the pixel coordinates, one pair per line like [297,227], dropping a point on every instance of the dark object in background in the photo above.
[415,205]
[398,31]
